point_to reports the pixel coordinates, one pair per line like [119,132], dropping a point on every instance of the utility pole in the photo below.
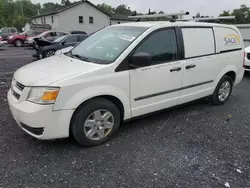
[21,5]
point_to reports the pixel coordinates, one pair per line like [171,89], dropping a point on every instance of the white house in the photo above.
[119,19]
[82,15]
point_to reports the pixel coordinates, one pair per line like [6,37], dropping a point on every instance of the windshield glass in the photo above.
[60,39]
[105,46]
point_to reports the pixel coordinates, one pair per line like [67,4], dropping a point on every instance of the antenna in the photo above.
[173,16]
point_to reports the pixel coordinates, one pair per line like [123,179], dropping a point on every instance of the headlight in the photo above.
[43,95]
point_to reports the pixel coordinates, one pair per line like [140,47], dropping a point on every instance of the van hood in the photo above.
[247,49]
[53,69]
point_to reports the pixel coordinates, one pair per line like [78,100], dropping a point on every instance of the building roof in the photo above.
[66,7]
[122,17]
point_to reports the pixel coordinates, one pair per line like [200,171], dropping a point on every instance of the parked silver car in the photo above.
[5,32]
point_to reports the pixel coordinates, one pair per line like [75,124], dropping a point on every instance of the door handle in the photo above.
[190,66]
[175,69]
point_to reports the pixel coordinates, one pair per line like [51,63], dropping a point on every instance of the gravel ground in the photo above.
[196,145]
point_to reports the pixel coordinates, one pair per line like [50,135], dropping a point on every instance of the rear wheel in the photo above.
[223,90]
[95,122]
[18,43]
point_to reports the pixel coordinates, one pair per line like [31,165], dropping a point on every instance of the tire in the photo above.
[222,92]
[89,128]
[18,43]
[49,53]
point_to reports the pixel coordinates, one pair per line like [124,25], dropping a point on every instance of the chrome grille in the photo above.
[17,88]
[15,94]
[20,86]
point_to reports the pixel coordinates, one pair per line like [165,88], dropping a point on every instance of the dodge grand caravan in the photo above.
[124,71]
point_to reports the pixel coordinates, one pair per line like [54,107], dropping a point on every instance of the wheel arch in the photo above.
[116,101]
[230,71]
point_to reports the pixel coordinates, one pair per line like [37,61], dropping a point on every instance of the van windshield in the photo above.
[106,45]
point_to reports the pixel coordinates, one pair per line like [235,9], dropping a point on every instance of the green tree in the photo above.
[242,15]
[225,13]
[123,9]
[106,8]
[2,22]
[65,2]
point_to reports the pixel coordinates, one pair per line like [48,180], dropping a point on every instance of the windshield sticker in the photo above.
[127,38]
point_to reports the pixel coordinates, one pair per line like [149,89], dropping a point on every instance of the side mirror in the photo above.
[63,43]
[141,59]
[26,35]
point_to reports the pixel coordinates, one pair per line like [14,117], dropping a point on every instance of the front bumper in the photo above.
[40,121]
[29,42]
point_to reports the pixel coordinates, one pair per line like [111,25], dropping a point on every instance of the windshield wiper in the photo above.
[81,57]
[70,54]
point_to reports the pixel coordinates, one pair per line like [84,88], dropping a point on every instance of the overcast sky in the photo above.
[205,7]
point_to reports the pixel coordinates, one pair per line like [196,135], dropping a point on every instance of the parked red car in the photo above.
[19,39]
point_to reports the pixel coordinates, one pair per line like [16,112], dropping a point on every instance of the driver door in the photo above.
[157,86]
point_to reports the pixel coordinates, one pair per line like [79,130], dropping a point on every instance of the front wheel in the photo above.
[18,43]
[95,122]
[223,90]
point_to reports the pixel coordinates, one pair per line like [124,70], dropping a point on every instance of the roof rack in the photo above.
[172,16]
[208,18]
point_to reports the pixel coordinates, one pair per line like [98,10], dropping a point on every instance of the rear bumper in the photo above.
[40,121]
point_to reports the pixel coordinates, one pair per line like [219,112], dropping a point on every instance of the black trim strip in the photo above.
[170,91]
[221,52]
[246,67]
[232,50]
[214,41]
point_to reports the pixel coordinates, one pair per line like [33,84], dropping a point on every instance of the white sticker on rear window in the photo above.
[127,38]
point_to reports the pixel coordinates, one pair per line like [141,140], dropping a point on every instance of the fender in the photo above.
[224,71]
[75,100]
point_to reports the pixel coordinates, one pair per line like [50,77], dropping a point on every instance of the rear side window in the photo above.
[71,39]
[13,30]
[161,45]
[82,37]
[198,42]
[227,39]
[5,30]
[60,34]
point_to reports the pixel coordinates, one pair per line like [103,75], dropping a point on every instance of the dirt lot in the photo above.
[197,145]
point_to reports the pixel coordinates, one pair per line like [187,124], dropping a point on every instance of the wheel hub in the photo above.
[99,124]
[224,91]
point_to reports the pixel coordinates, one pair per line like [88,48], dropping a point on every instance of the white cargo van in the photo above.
[124,71]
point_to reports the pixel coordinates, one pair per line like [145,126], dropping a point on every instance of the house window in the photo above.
[41,20]
[35,20]
[91,20]
[119,22]
[44,20]
[52,19]
[81,19]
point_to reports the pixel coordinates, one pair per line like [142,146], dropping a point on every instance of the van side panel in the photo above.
[200,54]
[230,50]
